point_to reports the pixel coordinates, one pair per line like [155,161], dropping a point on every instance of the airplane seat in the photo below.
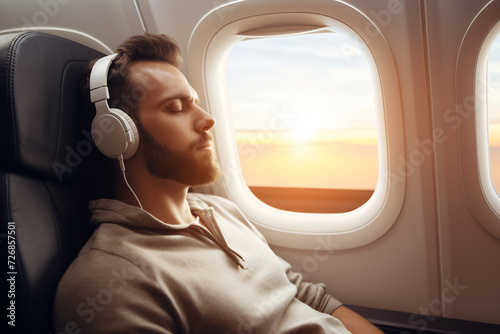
[49,170]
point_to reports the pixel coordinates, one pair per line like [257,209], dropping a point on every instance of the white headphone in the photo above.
[114,132]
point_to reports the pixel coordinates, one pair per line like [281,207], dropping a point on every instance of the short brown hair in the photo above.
[140,47]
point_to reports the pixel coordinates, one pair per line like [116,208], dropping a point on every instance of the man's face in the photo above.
[173,130]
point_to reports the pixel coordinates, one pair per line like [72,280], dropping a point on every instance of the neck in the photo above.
[165,199]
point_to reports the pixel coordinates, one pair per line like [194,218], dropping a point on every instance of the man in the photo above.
[163,260]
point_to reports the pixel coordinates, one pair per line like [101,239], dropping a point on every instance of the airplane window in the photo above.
[304,115]
[478,87]
[302,132]
[493,105]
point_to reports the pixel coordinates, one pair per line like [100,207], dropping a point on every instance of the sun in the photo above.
[305,130]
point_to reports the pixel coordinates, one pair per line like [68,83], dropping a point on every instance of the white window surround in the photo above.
[209,46]
[471,92]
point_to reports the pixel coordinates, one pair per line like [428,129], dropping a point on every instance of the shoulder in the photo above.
[100,261]
[99,293]
[94,269]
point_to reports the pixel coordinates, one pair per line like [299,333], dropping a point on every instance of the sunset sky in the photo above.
[494,111]
[304,110]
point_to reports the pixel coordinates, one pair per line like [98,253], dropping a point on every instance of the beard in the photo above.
[183,167]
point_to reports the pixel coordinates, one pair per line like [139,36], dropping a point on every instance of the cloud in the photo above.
[307,75]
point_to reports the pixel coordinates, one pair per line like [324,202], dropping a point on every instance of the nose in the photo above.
[205,121]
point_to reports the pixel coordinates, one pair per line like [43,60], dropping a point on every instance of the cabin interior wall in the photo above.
[109,21]
[436,245]
[470,254]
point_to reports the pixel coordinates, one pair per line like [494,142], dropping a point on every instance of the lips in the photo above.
[205,145]
[205,142]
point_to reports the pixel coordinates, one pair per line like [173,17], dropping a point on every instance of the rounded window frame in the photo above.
[471,73]
[208,48]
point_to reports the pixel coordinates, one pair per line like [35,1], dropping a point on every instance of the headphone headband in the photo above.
[99,78]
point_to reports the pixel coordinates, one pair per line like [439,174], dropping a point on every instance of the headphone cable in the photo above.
[122,167]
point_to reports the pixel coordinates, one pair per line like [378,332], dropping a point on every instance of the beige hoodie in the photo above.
[138,274]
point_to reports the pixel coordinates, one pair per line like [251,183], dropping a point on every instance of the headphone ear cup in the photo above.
[115,134]
[133,145]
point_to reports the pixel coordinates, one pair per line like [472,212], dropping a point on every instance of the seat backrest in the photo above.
[49,170]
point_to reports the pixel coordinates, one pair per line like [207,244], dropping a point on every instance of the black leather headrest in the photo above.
[43,122]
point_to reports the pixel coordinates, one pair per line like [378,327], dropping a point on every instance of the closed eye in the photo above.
[174,106]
